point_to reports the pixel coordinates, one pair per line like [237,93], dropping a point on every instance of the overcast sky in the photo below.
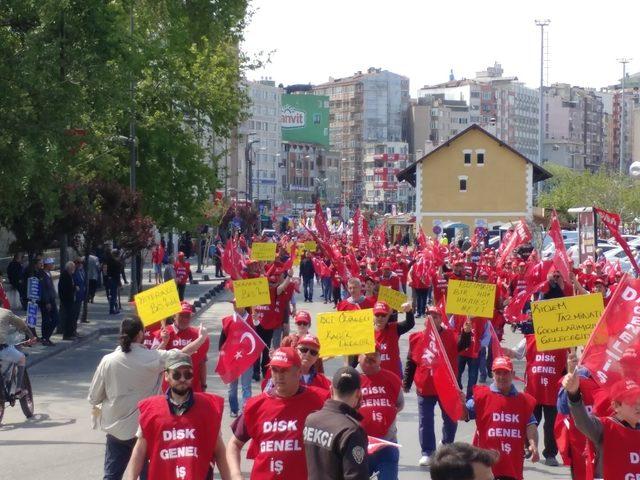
[424,39]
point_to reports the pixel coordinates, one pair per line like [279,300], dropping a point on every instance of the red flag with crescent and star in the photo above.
[240,350]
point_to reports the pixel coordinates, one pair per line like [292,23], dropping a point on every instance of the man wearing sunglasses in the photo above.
[179,432]
[274,421]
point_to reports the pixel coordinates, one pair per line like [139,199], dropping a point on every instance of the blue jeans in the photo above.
[421,300]
[426,426]
[50,320]
[385,462]
[472,375]
[326,288]
[307,285]
[116,458]
[245,382]
[112,287]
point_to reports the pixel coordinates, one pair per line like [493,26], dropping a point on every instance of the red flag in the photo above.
[496,349]
[520,235]
[321,223]
[612,352]
[240,350]
[357,218]
[535,282]
[421,238]
[612,221]
[560,257]
[376,444]
[232,261]
[443,377]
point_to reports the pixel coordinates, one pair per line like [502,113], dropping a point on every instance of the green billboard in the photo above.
[305,119]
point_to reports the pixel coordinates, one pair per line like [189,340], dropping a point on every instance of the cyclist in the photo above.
[12,332]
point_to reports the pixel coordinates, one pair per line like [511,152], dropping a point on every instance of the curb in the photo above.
[200,306]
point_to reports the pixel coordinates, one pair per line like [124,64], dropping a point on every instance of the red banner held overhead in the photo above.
[560,258]
[241,349]
[613,351]
[520,236]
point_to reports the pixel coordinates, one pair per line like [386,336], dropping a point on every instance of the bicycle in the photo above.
[9,376]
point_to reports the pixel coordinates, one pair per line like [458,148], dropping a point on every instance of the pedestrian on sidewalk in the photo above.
[182,274]
[307,272]
[67,294]
[47,305]
[157,255]
[80,279]
[15,269]
[112,270]
[4,300]
[123,378]
[93,275]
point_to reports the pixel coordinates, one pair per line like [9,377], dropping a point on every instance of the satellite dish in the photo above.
[634,169]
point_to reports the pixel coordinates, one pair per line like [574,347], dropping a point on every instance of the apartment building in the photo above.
[366,107]
[382,189]
[434,120]
[574,127]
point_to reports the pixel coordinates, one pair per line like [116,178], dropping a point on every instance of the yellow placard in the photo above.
[251,292]
[471,298]
[158,303]
[299,252]
[346,333]
[310,245]
[394,298]
[565,322]
[263,251]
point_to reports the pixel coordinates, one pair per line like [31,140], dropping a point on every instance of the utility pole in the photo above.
[541,129]
[623,122]
[132,158]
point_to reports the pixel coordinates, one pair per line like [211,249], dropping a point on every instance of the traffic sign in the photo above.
[437,229]
[481,232]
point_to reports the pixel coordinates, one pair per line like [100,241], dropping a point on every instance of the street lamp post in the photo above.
[132,160]
[541,129]
[623,122]
[249,173]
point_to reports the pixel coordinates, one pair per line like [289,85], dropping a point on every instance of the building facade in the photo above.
[474,179]
[574,127]
[365,107]
[382,162]
[496,102]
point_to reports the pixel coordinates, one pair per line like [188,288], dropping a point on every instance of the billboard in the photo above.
[305,119]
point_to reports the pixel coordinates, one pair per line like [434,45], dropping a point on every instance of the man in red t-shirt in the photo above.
[504,421]
[182,269]
[157,256]
[387,334]
[356,300]
[181,333]
[179,433]
[274,422]
[382,399]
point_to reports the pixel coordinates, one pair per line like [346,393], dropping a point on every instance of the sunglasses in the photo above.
[302,323]
[177,375]
[308,350]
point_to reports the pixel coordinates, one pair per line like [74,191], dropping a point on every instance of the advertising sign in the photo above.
[305,118]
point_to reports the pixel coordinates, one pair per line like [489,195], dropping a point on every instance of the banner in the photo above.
[310,245]
[520,235]
[158,303]
[321,224]
[612,351]
[394,298]
[612,221]
[252,292]
[298,251]
[346,333]
[560,258]
[565,322]
[263,251]
[471,298]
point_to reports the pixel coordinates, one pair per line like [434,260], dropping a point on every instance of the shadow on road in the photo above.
[41,420]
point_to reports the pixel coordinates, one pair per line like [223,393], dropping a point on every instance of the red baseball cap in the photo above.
[381,308]
[285,357]
[186,308]
[303,317]
[386,265]
[625,391]
[434,309]
[502,363]
[310,340]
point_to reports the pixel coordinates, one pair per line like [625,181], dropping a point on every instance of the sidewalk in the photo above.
[201,296]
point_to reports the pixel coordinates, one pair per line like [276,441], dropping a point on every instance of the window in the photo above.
[462,183]
[467,158]
[480,157]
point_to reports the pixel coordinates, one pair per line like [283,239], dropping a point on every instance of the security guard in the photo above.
[335,444]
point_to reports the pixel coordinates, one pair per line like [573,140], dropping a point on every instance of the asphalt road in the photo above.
[58,442]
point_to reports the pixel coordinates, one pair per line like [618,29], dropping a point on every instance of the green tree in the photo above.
[66,68]
[610,191]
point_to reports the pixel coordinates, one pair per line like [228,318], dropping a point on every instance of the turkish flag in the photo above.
[560,257]
[613,350]
[443,377]
[376,444]
[240,350]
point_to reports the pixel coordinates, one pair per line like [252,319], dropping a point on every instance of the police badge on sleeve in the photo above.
[358,454]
